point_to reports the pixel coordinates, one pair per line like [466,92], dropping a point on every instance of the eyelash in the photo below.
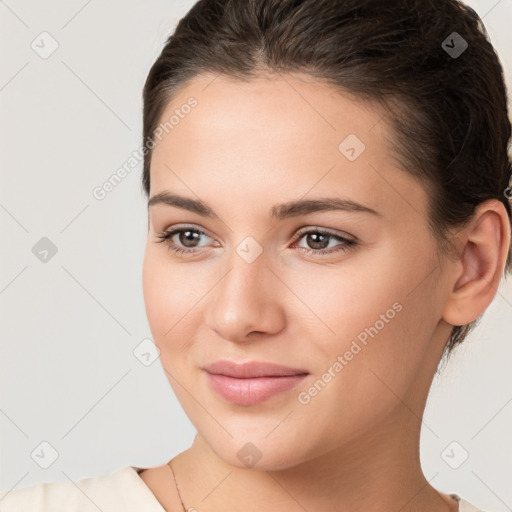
[346,245]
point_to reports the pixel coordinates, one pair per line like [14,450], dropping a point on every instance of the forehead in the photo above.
[278,135]
[275,108]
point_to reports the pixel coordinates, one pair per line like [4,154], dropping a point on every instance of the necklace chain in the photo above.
[177,488]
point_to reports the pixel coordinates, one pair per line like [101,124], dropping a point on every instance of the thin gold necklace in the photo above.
[177,488]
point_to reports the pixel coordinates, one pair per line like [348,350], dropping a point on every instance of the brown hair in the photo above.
[444,93]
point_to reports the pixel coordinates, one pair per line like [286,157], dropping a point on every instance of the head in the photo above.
[257,104]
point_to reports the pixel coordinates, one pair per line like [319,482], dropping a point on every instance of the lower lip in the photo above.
[251,391]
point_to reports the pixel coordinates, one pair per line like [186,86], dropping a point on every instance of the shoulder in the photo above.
[121,490]
[160,481]
[465,506]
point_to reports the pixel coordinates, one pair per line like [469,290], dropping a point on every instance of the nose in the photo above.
[246,300]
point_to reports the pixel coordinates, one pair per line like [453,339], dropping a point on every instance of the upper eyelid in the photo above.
[328,231]
[179,228]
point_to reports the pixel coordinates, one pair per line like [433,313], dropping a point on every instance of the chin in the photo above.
[245,452]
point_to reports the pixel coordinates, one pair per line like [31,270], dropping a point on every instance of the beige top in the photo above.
[120,491]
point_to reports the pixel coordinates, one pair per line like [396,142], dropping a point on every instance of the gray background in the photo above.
[69,326]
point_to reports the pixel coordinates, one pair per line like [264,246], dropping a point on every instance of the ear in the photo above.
[478,269]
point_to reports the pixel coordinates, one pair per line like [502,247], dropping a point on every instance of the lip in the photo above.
[252,369]
[251,383]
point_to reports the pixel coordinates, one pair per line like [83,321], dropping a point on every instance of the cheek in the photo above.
[346,300]
[381,295]
[367,369]
[172,297]
[153,286]
[161,285]
[377,320]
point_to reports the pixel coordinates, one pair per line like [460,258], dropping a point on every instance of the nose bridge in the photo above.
[245,298]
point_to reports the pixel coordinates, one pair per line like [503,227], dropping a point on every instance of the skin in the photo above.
[355,446]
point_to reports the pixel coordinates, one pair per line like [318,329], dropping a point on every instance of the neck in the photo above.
[378,471]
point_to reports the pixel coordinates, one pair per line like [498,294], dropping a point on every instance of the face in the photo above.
[348,293]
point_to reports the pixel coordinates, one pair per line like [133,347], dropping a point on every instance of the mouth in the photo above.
[251,383]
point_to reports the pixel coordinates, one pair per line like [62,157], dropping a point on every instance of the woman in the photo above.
[328,216]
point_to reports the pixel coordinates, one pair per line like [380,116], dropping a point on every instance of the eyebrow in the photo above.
[278,211]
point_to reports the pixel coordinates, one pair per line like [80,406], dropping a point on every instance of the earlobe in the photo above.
[486,240]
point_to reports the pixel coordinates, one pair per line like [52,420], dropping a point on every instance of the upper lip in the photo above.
[251,369]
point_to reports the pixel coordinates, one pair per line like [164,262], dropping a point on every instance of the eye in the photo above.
[187,236]
[320,239]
